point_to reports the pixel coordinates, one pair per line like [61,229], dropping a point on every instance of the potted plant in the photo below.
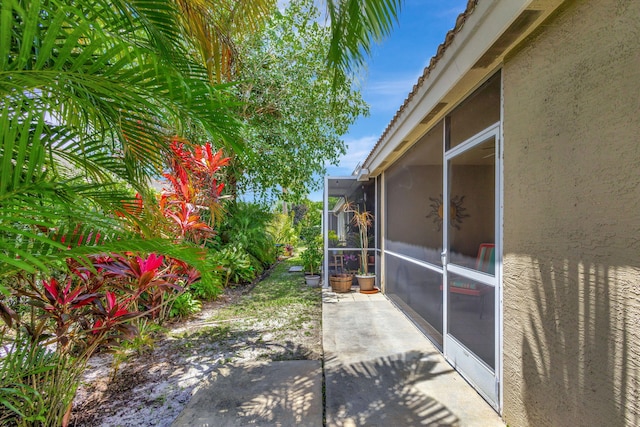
[333,239]
[312,256]
[362,220]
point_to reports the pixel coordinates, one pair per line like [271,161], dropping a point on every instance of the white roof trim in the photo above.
[482,28]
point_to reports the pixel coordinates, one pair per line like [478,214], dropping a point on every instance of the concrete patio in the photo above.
[379,370]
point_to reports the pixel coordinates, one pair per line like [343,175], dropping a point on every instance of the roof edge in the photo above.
[442,48]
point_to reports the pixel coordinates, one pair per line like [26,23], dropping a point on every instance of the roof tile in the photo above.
[471,5]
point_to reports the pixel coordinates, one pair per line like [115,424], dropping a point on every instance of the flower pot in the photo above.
[366,282]
[341,282]
[312,280]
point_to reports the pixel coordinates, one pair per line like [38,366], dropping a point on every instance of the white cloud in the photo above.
[357,151]
[388,95]
[397,87]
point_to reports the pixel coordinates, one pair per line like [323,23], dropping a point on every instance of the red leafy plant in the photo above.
[150,282]
[90,306]
[113,316]
[194,188]
[66,310]
[87,306]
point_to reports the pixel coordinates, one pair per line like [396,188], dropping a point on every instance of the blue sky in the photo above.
[392,71]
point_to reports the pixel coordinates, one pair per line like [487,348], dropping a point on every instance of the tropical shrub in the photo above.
[245,227]
[192,201]
[309,223]
[67,321]
[73,313]
[282,230]
[185,305]
[312,256]
[236,264]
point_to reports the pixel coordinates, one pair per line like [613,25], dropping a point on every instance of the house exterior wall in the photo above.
[572,220]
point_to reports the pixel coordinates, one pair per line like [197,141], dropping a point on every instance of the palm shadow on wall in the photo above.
[575,357]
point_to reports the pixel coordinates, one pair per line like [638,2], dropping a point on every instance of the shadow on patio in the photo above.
[382,392]
[380,370]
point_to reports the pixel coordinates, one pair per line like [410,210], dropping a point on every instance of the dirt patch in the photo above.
[277,319]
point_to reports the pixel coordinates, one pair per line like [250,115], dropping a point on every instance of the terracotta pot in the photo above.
[366,283]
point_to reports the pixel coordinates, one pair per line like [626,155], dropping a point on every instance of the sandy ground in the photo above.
[152,389]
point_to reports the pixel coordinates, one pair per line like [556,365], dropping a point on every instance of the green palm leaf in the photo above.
[356,26]
[89,94]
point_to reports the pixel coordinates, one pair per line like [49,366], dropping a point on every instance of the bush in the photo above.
[246,227]
[236,263]
[207,290]
[312,256]
[185,305]
[282,230]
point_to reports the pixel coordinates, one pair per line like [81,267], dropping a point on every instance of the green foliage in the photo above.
[246,227]
[294,128]
[355,27]
[282,229]
[207,290]
[144,341]
[37,385]
[310,223]
[314,213]
[236,263]
[185,305]
[310,233]
[84,108]
[312,256]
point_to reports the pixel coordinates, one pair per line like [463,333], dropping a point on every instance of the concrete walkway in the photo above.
[287,393]
[379,371]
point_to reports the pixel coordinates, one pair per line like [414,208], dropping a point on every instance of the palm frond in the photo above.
[215,26]
[89,94]
[356,25]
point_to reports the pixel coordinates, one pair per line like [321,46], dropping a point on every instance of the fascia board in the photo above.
[484,26]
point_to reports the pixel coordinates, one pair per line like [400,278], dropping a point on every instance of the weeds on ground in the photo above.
[281,290]
[281,315]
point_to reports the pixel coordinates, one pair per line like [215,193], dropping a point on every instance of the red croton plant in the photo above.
[91,304]
[85,306]
[194,188]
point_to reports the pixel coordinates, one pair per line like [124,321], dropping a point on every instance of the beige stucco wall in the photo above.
[572,220]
